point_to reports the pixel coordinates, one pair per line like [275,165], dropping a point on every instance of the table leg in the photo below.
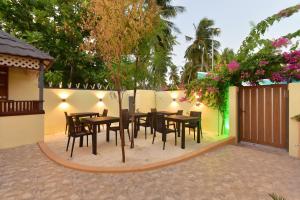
[183,136]
[135,127]
[178,128]
[107,132]
[94,139]
[198,132]
[81,141]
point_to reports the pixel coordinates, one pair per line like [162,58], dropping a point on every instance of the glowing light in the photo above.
[64,95]
[174,95]
[64,106]
[100,95]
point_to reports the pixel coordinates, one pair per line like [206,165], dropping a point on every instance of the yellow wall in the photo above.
[233,112]
[21,130]
[87,100]
[164,101]
[23,84]
[294,109]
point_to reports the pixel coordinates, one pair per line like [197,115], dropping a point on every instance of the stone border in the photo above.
[68,164]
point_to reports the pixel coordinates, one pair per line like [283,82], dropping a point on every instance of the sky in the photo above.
[233,17]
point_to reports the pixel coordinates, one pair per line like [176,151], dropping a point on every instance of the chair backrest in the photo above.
[149,119]
[105,112]
[153,110]
[125,118]
[71,123]
[66,117]
[195,114]
[180,112]
[160,125]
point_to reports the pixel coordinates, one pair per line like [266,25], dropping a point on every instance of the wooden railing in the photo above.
[13,108]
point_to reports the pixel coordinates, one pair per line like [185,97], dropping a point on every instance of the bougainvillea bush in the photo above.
[257,59]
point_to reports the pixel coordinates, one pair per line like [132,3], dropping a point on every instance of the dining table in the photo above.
[181,121]
[166,113]
[96,121]
[84,114]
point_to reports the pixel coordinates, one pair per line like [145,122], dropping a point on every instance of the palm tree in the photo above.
[226,56]
[199,53]
[173,76]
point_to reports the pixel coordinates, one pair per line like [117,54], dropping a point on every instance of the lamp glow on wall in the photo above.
[174,96]
[100,97]
[64,105]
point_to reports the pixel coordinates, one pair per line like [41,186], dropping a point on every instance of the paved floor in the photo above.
[231,172]
[110,155]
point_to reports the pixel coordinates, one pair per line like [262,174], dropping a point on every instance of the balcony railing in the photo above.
[13,108]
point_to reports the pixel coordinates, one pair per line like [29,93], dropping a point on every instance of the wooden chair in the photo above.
[194,125]
[147,123]
[153,110]
[162,128]
[179,112]
[76,131]
[125,119]
[104,114]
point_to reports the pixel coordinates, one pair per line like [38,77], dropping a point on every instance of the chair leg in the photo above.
[164,146]
[145,133]
[116,138]
[69,137]
[72,146]
[66,129]
[189,131]
[87,140]
[154,135]
[194,130]
[128,134]
[175,138]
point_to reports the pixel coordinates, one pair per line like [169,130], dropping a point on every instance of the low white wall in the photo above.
[294,109]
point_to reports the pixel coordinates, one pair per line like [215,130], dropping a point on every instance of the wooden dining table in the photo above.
[96,121]
[84,114]
[166,113]
[181,121]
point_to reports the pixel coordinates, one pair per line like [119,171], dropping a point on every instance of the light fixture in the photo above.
[63,100]
[198,103]
[100,99]
[174,99]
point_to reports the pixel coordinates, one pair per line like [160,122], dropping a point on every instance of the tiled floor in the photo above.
[144,152]
[229,173]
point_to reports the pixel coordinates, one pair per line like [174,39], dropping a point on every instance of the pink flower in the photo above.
[280,42]
[277,77]
[233,66]
[245,75]
[260,72]
[216,78]
[212,90]
[263,63]
[183,99]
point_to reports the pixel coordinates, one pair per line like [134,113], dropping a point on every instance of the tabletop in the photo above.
[83,114]
[182,118]
[101,120]
[166,112]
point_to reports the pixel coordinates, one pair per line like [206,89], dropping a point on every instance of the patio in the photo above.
[227,173]
[143,153]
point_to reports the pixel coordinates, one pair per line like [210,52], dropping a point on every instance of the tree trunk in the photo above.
[121,120]
[134,100]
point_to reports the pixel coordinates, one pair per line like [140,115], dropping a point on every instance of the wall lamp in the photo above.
[174,99]
[100,99]
[63,100]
